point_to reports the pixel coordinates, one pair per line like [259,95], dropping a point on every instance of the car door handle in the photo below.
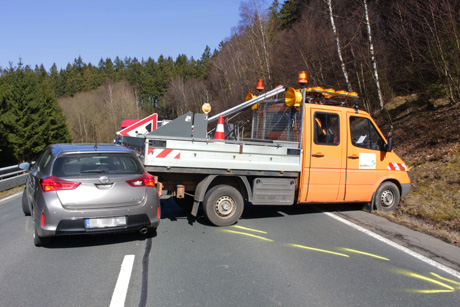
[317,155]
[353,157]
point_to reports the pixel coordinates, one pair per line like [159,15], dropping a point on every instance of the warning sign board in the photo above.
[143,126]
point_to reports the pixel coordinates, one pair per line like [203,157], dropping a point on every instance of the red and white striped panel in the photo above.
[397,167]
[164,153]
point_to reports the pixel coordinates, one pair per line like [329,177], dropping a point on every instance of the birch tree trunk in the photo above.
[263,32]
[339,51]
[373,60]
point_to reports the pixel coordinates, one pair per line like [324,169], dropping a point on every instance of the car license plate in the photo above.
[106,222]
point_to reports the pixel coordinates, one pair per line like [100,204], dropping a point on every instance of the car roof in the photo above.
[57,149]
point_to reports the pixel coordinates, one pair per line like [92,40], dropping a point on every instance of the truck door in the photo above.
[365,159]
[326,177]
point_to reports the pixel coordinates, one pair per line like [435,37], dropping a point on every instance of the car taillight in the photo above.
[145,180]
[52,183]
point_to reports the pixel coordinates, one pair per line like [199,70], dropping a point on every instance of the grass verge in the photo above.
[428,140]
[12,191]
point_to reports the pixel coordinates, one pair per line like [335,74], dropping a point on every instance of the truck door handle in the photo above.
[318,155]
[353,157]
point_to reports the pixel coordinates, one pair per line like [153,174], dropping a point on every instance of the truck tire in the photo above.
[223,205]
[25,205]
[387,197]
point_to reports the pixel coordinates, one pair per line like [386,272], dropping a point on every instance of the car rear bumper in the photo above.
[77,226]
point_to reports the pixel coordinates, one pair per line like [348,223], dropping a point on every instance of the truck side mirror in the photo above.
[389,145]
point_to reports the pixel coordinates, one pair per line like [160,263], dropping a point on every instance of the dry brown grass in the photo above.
[12,191]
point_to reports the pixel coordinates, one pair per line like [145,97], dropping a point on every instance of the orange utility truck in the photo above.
[307,145]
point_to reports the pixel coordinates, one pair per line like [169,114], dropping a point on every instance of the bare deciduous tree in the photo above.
[339,50]
[99,113]
[371,51]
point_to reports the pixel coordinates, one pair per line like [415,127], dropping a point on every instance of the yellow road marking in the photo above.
[430,291]
[246,234]
[249,229]
[446,279]
[318,250]
[446,287]
[363,253]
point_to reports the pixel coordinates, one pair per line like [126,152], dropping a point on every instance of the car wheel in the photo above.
[25,203]
[387,197]
[39,241]
[223,205]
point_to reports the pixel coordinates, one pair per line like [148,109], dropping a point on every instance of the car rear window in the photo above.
[87,164]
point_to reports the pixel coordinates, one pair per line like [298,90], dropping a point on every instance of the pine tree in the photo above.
[203,63]
[7,123]
[290,12]
[30,116]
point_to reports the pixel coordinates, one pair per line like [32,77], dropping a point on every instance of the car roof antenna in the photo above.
[95,141]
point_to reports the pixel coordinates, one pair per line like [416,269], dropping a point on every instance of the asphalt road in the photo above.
[274,256]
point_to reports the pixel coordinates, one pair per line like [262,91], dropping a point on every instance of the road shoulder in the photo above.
[426,245]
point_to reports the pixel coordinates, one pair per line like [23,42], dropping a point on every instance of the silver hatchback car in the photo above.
[89,189]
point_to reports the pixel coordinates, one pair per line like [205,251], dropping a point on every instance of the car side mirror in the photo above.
[389,145]
[24,166]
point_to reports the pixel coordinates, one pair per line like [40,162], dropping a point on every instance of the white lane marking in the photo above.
[397,246]
[121,288]
[10,197]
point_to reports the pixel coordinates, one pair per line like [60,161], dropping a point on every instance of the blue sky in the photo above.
[58,31]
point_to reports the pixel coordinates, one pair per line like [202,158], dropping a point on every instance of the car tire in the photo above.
[387,197]
[25,203]
[223,205]
[39,241]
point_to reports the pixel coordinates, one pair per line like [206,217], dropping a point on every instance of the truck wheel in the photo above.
[25,205]
[387,197]
[223,205]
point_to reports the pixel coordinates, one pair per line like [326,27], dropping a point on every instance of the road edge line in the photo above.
[10,197]
[396,245]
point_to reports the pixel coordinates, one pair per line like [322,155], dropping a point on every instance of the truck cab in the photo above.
[346,159]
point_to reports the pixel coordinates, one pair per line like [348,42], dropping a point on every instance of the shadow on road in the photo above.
[77,241]
[170,210]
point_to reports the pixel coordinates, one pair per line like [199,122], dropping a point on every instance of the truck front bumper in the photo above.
[405,189]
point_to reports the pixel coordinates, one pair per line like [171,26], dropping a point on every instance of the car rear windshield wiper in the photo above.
[93,171]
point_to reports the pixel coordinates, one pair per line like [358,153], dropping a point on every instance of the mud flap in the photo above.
[196,204]
[372,202]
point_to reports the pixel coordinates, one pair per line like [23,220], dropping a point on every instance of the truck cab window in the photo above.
[326,129]
[364,134]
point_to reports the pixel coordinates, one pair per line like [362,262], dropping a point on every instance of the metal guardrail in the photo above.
[11,177]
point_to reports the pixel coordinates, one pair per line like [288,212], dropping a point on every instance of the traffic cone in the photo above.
[220,135]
